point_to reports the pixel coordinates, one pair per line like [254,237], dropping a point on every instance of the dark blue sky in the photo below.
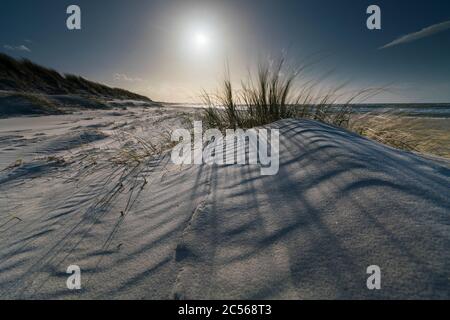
[152,46]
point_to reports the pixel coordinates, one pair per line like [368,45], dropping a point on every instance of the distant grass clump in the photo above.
[278,92]
[388,128]
[26,76]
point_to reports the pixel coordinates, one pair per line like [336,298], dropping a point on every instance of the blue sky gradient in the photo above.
[144,45]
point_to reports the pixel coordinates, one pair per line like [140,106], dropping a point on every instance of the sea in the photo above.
[433,110]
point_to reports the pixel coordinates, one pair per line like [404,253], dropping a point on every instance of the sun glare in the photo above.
[201,40]
[199,43]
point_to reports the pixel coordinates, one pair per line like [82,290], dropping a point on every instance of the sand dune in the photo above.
[339,204]
[159,231]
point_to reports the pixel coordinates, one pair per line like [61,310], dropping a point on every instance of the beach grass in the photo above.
[279,92]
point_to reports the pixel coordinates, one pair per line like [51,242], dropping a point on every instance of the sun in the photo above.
[201,40]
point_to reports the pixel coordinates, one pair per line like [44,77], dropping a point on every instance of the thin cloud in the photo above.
[426,32]
[124,77]
[17,48]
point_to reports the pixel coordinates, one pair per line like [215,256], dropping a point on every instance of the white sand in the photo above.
[339,204]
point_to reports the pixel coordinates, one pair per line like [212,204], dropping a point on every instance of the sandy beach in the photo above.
[157,230]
